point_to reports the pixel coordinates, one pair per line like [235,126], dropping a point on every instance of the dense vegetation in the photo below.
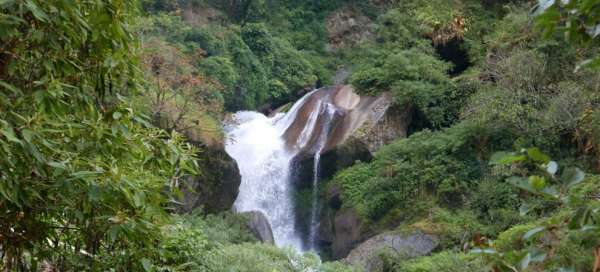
[106,105]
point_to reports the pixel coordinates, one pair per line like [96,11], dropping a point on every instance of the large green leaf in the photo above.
[572,176]
[531,233]
[537,155]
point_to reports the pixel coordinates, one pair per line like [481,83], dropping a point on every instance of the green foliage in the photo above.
[445,261]
[84,176]
[496,204]
[442,163]
[578,20]
[405,63]
[254,64]
[574,229]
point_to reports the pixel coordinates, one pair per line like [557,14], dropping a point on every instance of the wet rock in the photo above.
[368,253]
[370,119]
[347,233]
[260,227]
[216,187]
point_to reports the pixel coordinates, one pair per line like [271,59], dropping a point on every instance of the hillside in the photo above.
[283,135]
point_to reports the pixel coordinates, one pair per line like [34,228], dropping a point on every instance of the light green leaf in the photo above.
[483,251]
[525,208]
[537,155]
[525,261]
[533,232]
[11,88]
[522,183]
[37,12]
[27,135]
[147,264]
[60,165]
[117,115]
[10,135]
[538,183]
[589,227]
[502,157]
[572,176]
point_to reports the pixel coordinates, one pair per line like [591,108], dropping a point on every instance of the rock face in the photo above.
[356,128]
[366,255]
[347,28]
[370,119]
[217,187]
[260,227]
[347,232]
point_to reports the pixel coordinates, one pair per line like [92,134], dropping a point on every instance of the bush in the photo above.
[443,163]
[445,261]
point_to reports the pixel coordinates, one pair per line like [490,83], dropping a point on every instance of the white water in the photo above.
[259,150]
[328,112]
[256,143]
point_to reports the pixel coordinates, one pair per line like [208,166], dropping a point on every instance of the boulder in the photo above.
[368,254]
[346,232]
[217,185]
[341,114]
[260,227]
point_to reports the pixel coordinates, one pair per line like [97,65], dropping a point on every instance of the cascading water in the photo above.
[256,143]
[264,162]
[328,113]
[264,149]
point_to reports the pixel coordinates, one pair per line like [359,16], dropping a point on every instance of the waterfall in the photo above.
[328,113]
[255,142]
[265,149]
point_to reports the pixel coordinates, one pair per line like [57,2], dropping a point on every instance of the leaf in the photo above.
[11,88]
[572,176]
[537,255]
[27,135]
[85,174]
[525,208]
[483,251]
[589,227]
[552,167]
[94,193]
[550,191]
[542,6]
[593,63]
[566,269]
[59,165]
[36,11]
[522,183]
[579,218]
[500,158]
[147,264]
[528,235]
[139,198]
[545,4]
[593,31]
[10,135]
[117,115]
[525,261]
[537,155]
[538,183]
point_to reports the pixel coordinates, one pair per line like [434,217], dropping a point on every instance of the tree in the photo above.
[82,173]
[579,20]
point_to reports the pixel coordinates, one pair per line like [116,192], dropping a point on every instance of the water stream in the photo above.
[264,158]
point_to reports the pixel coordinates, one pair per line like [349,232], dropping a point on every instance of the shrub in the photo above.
[445,261]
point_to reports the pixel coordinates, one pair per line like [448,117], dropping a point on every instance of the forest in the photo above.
[116,116]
